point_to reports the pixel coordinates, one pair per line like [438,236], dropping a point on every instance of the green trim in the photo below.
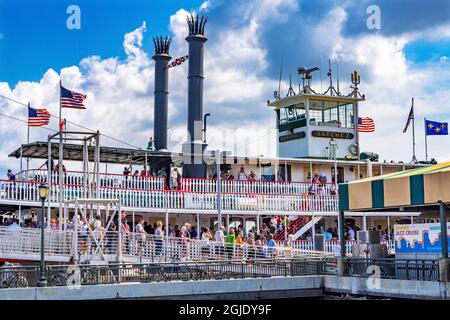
[417,189]
[343,197]
[292,125]
[377,194]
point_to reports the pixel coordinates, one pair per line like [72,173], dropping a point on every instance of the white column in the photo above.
[198,226]
[285,228]
[365,222]
[389,229]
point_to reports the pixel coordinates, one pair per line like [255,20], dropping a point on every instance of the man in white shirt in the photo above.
[140,232]
[219,238]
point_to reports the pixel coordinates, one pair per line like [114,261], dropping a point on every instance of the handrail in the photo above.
[260,180]
[101,173]
[174,191]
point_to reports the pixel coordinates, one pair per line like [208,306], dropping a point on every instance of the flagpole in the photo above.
[59,123]
[414,159]
[28,132]
[426,140]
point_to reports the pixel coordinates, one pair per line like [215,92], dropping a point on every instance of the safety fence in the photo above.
[421,269]
[12,276]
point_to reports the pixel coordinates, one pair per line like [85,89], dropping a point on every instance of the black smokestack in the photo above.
[162,58]
[194,166]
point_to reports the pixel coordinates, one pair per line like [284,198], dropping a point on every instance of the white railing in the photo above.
[254,187]
[103,244]
[28,241]
[332,246]
[136,198]
[105,179]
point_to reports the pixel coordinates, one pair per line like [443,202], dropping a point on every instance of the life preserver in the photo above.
[353,149]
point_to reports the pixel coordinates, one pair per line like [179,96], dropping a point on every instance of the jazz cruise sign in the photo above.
[418,238]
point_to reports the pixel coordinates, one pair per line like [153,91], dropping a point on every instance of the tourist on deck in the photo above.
[184,236]
[52,164]
[229,239]
[206,238]
[271,245]
[252,176]
[251,252]
[219,239]
[193,233]
[14,224]
[311,191]
[10,175]
[188,229]
[162,172]
[159,236]
[140,234]
[176,231]
[242,176]
[127,171]
[321,190]
[351,233]
[272,228]
[315,178]
[84,229]
[126,234]
[97,222]
[171,231]
[174,178]
[144,172]
[328,234]
[333,190]
[259,249]
[148,228]
[288,243]
[229,175]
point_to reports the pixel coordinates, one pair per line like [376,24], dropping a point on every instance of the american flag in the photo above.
[366,124]
[71,99]
[38,117]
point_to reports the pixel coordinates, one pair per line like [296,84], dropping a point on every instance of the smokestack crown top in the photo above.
[162,45]
[196,26]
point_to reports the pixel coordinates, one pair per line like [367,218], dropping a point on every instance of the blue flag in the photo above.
[433,128]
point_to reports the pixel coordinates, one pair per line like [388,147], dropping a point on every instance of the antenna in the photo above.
[329,74]
[337,79]
[321,81]
[291,91]
[306,75]
[279,81]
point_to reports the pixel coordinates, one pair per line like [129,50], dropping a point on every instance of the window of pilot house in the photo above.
[292,113]
[331,114]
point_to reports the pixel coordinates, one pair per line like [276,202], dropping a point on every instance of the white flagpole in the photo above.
[28,133]
[426,140]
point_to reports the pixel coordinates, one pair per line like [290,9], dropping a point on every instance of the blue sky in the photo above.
[35,36]
[110,60]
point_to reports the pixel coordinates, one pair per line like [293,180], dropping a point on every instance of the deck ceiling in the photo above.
[74,152]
